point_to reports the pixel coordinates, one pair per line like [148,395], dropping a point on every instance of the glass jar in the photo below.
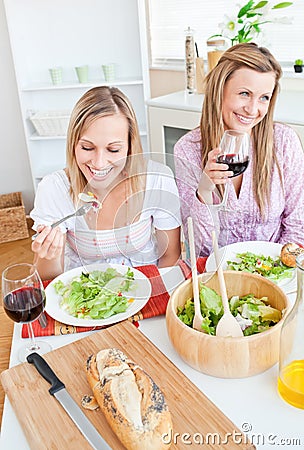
[291,364]
[215,49]
[189,57]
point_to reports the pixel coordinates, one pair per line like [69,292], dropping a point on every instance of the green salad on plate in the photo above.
[268,267]
[97,294]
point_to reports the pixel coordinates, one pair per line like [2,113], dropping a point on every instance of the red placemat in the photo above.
[200,264]
[156,306]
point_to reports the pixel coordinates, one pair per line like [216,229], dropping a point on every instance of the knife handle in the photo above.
[46,372]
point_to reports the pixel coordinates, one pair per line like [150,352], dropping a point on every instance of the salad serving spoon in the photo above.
[79,212]
[198,318]
[227,325]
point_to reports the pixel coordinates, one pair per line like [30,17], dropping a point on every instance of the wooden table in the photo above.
[11,253]
[253,403]
[7,327]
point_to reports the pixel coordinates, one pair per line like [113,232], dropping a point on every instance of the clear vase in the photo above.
[291,363]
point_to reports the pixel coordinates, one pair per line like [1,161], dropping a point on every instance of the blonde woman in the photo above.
[135,220]
[266,202]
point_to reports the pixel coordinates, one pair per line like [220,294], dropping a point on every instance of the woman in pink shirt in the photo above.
[266,202]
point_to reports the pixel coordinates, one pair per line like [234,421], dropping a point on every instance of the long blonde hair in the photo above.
[99,102]
[251,56]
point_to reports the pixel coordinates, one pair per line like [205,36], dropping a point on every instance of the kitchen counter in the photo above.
[289,108]
[172,115]
[179,100]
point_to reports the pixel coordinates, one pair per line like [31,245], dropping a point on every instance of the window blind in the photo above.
[168,20]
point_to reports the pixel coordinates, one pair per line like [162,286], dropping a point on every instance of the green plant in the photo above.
[246,24]
[298,62]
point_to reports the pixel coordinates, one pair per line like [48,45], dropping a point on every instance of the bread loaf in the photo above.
[132,403]
[289,252]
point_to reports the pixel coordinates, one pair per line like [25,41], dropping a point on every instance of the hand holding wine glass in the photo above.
[23,301]
[234,148]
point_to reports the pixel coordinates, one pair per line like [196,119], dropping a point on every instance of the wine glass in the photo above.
[23,301]
[234,147]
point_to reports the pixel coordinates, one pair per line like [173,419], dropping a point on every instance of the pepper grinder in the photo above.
[291,363]
[190,70]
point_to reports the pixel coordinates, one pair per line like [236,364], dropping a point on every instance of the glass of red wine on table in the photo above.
[234,147]
[23,302]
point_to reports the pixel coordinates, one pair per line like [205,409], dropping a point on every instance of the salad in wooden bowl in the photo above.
[229,357]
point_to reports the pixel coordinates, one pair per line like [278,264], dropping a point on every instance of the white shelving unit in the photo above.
[68,34]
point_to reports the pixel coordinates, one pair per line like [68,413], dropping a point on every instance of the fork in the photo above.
[79,212]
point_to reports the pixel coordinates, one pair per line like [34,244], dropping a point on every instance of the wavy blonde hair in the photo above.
[250,56]
[100,102]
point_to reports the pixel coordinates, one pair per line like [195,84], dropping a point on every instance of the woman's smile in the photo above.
[100,173]
[244,119]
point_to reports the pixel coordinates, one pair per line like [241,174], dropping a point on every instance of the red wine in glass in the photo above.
[234,152]
[234,165]
[23,302]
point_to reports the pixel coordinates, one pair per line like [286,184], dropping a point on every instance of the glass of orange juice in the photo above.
[291,364]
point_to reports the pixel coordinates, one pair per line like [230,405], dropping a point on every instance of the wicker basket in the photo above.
[51,123]
[13,224]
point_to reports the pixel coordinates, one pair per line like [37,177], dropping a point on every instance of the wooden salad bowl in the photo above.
[227,357]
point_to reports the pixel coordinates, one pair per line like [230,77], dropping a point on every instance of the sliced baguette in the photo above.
[132,403]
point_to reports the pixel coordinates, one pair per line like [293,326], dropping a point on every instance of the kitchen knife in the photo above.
[74,411]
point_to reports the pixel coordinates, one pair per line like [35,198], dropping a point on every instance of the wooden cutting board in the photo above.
[46,425]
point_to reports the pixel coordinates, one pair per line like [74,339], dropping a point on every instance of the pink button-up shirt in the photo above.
[284,219]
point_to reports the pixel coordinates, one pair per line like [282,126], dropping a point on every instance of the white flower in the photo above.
[246,24]
[230,27]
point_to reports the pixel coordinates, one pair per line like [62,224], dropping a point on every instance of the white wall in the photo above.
[15,174]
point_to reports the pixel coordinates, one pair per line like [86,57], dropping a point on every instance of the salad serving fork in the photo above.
[79,212]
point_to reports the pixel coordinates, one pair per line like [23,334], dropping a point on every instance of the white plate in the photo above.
[229,252]
[140,292]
